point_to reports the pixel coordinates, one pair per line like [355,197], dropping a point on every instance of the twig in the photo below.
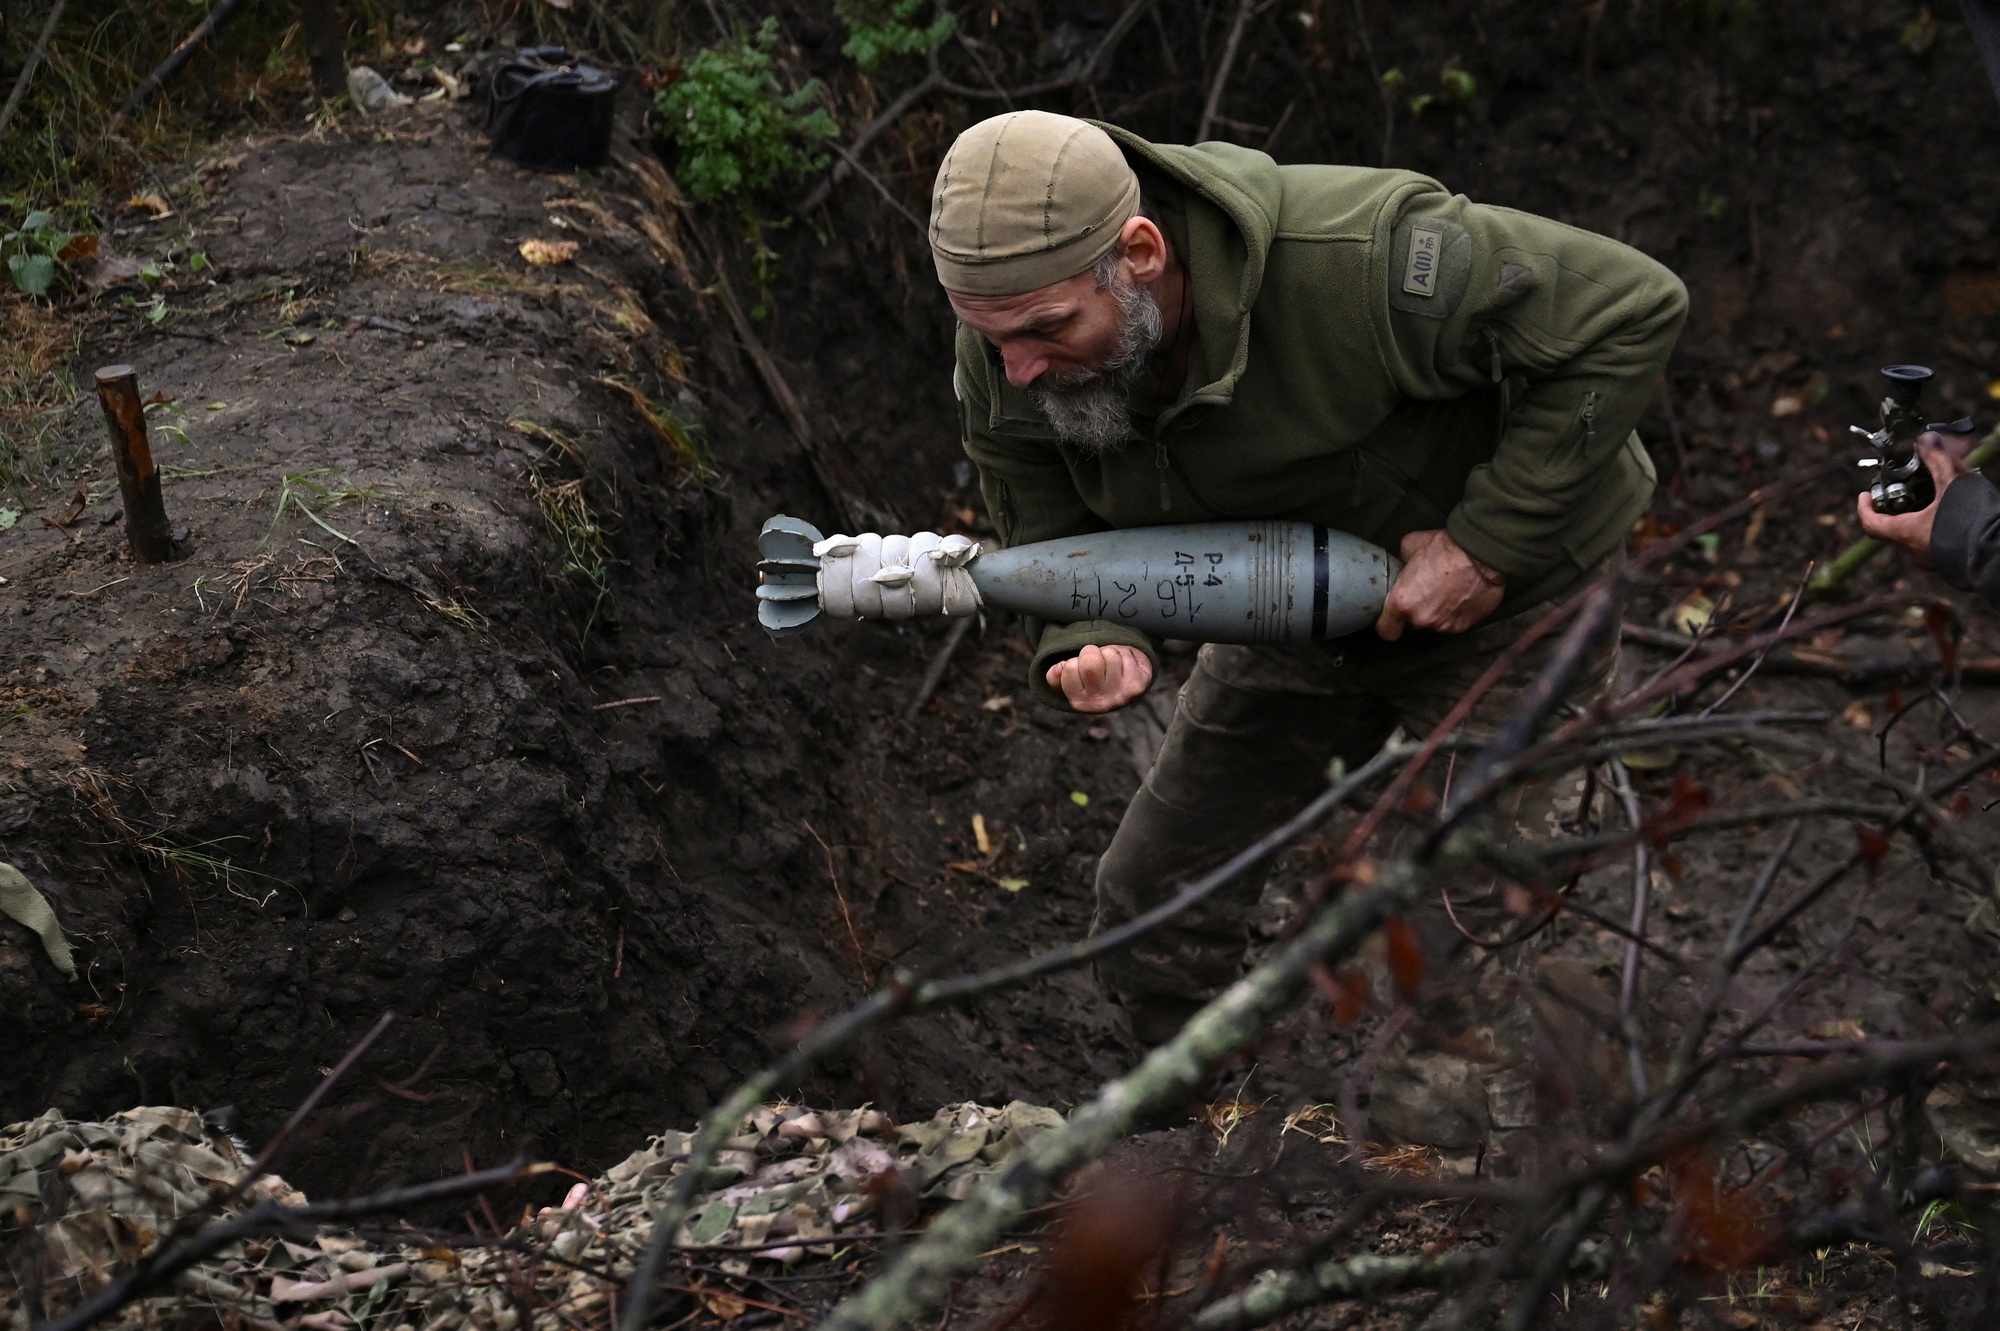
[1857,672]
[936,81]
[1681,465]
[1273,1294]
[934,675]
[28,67]
[1245,10]
[625,702]
[1764,655]
[895,111]
[1381,88]
[856,507]
[922,228]
[846,916]
[262,1164]
[1642,883]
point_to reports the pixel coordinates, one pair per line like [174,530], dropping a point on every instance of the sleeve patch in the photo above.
[1430,261]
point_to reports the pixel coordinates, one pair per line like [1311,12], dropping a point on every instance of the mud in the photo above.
[354,755]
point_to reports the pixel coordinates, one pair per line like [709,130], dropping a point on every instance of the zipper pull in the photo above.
[1493,342]
[1160,461]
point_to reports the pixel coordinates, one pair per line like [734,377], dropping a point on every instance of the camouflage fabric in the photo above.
[1250,743]
[797,1173]
[90,1198]
[87,1199]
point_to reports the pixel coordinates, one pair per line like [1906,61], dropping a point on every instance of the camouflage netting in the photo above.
[82,1201]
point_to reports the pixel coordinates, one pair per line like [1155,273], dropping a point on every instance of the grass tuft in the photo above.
[566,510]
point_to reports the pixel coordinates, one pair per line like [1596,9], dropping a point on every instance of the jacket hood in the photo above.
[1227,253]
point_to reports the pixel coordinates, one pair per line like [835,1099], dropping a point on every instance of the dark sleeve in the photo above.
[1965,539]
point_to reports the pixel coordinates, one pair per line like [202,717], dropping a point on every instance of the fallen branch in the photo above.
[1271,1294]
[29,66]
[1859,671]
[857,508]
[180,55]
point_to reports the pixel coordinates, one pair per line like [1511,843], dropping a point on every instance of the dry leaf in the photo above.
[1011,884]
[151,203]
[998,702]
[1692,615]
[725,1306]
[1753,531]
[542,253]
[1858,715]
[1788,404]
[980,835]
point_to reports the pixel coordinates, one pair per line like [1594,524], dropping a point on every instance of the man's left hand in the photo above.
[1441,588]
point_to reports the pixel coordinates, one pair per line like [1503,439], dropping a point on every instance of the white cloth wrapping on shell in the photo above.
[896,577]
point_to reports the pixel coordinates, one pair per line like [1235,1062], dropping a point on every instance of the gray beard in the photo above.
[1092,409]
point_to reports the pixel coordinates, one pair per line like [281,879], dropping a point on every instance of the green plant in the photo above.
[877,29]
[39,252]
[737,129]
[293,490]
[1456,85]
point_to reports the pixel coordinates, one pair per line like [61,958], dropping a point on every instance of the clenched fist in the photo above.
[1102,679]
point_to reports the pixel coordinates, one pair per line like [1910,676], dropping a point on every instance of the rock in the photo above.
[371,93]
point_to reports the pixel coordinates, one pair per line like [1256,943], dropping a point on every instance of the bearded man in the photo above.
[1152,334]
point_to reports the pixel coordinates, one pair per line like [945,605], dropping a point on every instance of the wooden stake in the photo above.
[138,480]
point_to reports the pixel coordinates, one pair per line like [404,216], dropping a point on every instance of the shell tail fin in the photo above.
[787,576]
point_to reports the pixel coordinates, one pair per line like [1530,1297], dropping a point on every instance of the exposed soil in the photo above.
[377,707]
[382,709]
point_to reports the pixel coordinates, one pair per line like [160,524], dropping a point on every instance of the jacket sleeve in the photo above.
[1965,538]
[1030,497]
[1584,324]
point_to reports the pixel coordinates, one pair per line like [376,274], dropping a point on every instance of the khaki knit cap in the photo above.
[1025,200]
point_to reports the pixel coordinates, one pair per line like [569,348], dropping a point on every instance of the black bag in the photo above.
[549,113]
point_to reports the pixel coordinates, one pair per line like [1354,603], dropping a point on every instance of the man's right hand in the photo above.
[1944,459]
[1102,679]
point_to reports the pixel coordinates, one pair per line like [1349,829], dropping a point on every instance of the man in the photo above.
[1959,534]
[1153,334]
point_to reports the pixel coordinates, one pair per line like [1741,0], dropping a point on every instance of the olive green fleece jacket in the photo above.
[1377,355]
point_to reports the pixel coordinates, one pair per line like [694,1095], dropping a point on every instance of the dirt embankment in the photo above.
[354,753]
